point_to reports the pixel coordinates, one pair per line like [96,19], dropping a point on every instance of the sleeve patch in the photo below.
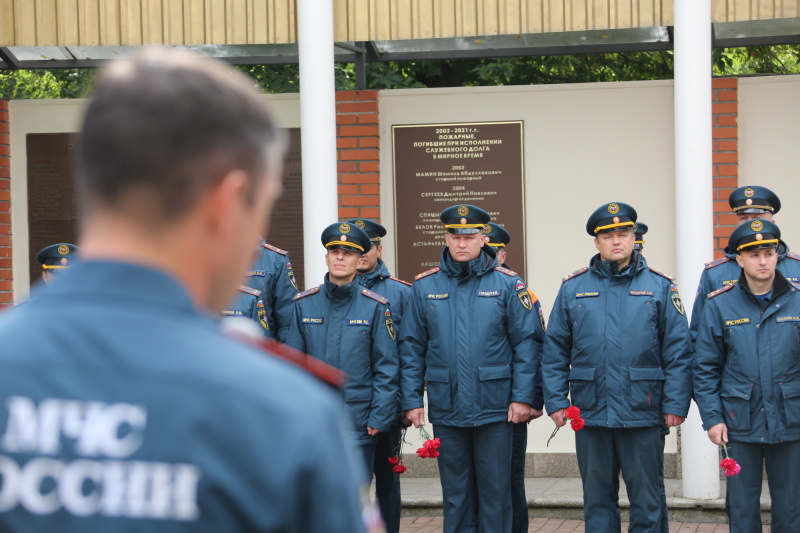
[309,292]
[574,274]
[400,281]
[374,296]
[275,249]
[720,291]
[427,273]
[248,290]
[506,271]
[677,302]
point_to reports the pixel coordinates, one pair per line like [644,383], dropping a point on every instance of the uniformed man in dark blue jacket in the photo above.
[351,328]
[249,304]
[747,379]
[132,411]
[498,238]
[373,274]
[617,347]
[55,258]
[747,203]
[472,332]
[273,276]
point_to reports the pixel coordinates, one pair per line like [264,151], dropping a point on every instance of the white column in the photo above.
[317,130]
[693,206]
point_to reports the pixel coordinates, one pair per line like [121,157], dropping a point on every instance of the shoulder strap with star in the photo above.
[792,255]
[654,271]
[309,292]
[427,273]
[399,281]
[275,249]
[374,295]
[795,285]
[717,262]
[720,290]
[575,274]
[506,271]
[249,290]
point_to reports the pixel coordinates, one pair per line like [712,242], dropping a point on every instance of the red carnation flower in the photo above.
[399,468]
[394,460]
[577,424]
[729,464]
[573,413]
[423,452]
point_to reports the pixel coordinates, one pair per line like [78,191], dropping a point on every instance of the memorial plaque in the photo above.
[286,222]
[439,165]
[52,205]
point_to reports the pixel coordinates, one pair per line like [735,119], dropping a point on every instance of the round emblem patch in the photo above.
[613,209]
[344,228]
[343,238]
[749,192]
[463,220]
[616,220]
[756,225]
[463,210]
[63,260]
[748,201]
[487,229]
[759,237]
[63,249]
[360,224]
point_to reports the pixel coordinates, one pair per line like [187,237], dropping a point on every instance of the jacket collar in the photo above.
[336,291]
[779,286]
[477,267]
[609,269]
[369,279]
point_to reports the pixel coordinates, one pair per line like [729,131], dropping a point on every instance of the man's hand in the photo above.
[372,431]
[416,416]
[536,413]
[404,420]
[519,412]
[718,434]
[559,417]
[673,420]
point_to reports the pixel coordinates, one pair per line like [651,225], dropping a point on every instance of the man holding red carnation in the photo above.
[617,346]
[747,380]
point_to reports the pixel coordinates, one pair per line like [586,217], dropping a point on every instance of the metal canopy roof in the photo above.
[725,35]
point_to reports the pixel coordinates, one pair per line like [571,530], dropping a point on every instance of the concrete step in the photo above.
[563,498]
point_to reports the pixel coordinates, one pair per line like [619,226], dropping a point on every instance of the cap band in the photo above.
[743,207]
[768,241]
[55,267]
[496,245]
[463,226]
[344,243]
[640,242]
[618,225]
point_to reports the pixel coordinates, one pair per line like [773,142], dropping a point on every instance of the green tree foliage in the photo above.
[533,70]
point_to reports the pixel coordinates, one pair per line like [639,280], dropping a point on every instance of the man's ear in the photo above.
[739,260]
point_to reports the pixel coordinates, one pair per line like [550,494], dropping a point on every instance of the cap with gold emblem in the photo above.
[498,236]
[464,219]
[370,227]
[613,216]
[754,234]
[641,229]
[754,199]
[56,256]
[346,236]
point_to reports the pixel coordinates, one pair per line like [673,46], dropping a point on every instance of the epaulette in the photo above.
[275,249]
[793,255]
[720,290]
[654,271]
[576,273]
[249,290]
[426,273]
[717,262]
[400,280]
[375,296]
[506,271]
[309,292]
[795,285]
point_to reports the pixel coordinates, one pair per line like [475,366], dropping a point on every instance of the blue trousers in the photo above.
[471,456]
[519,503]
[743,491]
[602,454]
[387,483]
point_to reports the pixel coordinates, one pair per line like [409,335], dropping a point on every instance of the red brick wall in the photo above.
[358,146]
[6,294]
[725,162]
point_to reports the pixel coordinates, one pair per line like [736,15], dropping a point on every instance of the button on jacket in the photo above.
[747,370]
[472,332]
[725,271]
[272,274]
[351,328]
[618,343]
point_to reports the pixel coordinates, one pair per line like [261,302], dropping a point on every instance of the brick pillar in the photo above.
[725,162]
[6,277]
[358,157]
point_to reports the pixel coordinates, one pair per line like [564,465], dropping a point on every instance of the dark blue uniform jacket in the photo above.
[472,332]
[249,304]
[351,328]
[618,343]
[131,412]
[725,271]
[747,369]
[395,290]
[272,274]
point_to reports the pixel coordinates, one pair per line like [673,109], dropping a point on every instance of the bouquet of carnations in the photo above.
[573,414]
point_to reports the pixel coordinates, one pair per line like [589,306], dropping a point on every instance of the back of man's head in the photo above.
[163,127]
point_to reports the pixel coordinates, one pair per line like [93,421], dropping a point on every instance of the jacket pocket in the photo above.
[495,386]
[791,403]
[647,384]
[438,389]
[359,403]
[582,387]
[736,403]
